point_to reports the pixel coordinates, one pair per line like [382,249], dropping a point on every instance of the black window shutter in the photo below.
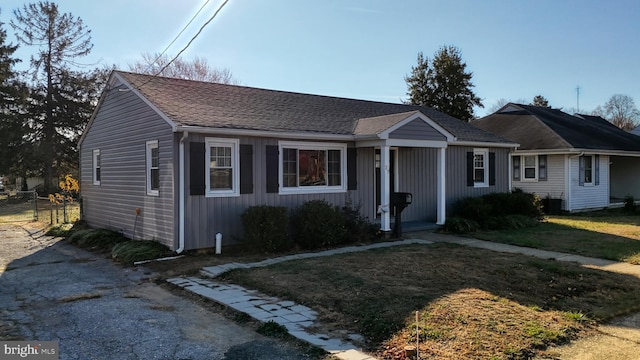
[492,168]
[196,168]
[352,169]
[272,168]
[596,175]
[470,168]
[246,169]
[516,168]
[542,167]
[581,170]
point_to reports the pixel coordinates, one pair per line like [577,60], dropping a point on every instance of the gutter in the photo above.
[181,194]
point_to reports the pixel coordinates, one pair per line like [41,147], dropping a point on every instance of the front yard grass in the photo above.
[472,303]
[604,235]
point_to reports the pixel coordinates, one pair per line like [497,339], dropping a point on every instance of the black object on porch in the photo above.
[399,200]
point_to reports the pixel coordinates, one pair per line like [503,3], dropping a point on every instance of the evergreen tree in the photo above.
[443,84]
[57,105]
[12,96]
[540,100]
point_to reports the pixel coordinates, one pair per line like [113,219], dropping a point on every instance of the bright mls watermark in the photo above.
[32,350]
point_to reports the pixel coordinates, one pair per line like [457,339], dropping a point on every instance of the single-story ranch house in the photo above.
[583,160]
[178,161]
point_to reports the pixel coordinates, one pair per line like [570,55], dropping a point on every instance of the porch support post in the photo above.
[385,196]
[442,177]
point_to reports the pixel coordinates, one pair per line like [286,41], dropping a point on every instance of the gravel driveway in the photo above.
[52,291]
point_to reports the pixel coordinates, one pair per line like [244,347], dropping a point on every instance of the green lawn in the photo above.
[610,236]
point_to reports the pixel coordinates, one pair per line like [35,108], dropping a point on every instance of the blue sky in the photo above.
[364,48]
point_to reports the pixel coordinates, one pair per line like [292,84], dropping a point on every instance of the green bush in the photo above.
[629,204]
[317,224]
[358,228]
[496,211]
[137,250]
[265,228]
[96,239]
[460,225]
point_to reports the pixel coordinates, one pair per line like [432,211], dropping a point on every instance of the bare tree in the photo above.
[196,69]
[621,111]
[502,102]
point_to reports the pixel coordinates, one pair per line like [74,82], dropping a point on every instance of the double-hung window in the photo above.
[312,167]
[153,168]
[96,167]
[588,170]
[480,167]
[530,167]
[223,166]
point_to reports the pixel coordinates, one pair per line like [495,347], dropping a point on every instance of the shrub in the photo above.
[96,239]
[496,211]
[137,250]
[265,228]
[358,228]
[317,224]
[460,225]
[629,204]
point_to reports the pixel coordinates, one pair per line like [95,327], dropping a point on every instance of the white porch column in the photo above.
[385,195]
[442,179]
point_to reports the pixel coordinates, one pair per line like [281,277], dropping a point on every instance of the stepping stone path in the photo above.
[299,320]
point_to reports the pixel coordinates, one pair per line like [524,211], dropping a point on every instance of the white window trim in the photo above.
[95,167]
[485,153]
[152,144]
[523,167]
[593,171]
[313,146]
[235,166]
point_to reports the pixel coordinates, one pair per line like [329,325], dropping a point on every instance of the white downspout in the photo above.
[181,195]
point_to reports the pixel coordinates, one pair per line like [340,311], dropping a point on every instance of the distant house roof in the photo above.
[212,105]
[540,128]
[636,130]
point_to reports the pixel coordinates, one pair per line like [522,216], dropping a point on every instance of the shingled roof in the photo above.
[540,128]
[212,105]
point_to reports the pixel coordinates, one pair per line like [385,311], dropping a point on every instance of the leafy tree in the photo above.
[443,84]
[61,97]
[12,95]
[621,111]
[196,69]
[540,101]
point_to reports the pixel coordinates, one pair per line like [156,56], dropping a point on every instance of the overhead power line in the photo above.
[193,38]
[180,33]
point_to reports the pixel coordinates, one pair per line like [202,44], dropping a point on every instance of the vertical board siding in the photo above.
[120,130]
[589,197]
[554,186]
[417,174]
[417,130]
[456,180]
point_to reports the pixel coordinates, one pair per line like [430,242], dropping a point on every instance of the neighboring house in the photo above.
[584,160]
[192,156]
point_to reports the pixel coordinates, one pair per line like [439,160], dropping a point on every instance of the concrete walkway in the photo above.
[300,320]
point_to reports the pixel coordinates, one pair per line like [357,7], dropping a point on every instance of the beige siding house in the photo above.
[583,160]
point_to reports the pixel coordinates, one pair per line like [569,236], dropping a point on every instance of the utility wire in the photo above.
[193,38]
[177,36]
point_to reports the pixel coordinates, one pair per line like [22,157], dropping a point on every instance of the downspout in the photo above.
[181,194]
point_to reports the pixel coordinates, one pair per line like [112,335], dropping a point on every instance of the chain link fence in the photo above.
[23,206]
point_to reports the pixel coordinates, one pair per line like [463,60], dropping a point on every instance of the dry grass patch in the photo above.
[83,296]
[496,297]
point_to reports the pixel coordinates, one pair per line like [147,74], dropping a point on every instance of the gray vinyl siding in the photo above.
[418,175]
[120,131]
[206,216]
[555,184]
[417,130]
[456,168]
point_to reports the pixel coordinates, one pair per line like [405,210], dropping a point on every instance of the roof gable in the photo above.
[537,128]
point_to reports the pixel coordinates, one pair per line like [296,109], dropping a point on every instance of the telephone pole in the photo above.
[578,99]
